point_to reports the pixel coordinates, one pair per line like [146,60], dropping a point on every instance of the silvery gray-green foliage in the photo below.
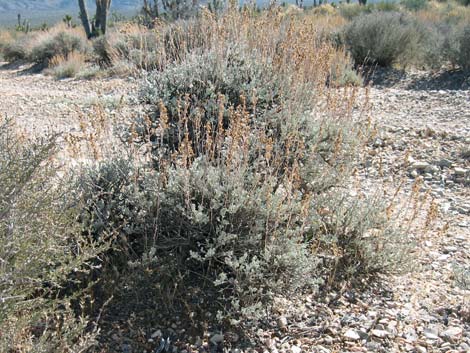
[115,201]
[446,43]
[367,242]
[231,227]
[41,250]
[205,227]
[235,236]
[196,85]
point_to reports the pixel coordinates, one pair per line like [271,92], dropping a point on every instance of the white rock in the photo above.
[432,169]
[156,334]
[420,165]
[352,335]
[421,349]
[460,171]
[296,349]
[282,322]
[431,334]
[452,334]
[217,338]
[379,333]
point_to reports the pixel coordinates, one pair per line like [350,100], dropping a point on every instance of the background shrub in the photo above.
[385,6]
[349,11]
[414,5]
[460,50]
[5,39]
[383,38]
[57,42]
[18,49]
[135,48]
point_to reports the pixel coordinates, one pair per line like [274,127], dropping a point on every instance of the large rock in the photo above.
[352,335]
[452,334]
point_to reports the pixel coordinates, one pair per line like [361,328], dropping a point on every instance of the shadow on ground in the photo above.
[452,80]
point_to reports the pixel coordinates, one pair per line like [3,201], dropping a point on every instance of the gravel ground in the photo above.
[422,141]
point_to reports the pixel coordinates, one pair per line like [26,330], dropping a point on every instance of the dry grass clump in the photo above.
[67,66]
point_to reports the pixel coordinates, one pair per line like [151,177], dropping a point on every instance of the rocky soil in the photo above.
[419,157]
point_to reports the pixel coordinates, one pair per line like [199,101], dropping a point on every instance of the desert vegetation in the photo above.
[410,33]
[231,187]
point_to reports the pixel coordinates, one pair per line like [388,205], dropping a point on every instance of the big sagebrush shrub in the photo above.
[41,251]
[230,214]
[383,38]
[243,194]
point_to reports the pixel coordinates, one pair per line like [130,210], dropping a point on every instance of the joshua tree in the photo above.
[98,25]
[67,20]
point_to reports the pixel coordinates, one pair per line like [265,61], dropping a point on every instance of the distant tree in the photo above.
[98,25]
[362,2]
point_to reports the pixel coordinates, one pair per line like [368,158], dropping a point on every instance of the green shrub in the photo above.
[464,2]
[62,43]
[89,72]
[414,5]
[41,250]
[62,67]
[383,38]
